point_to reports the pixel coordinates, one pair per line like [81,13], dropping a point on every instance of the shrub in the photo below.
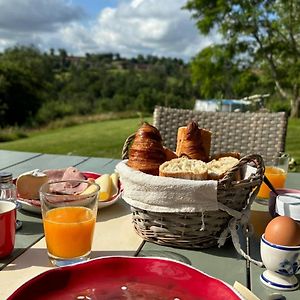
[53,110]
[11,134]
[279,105]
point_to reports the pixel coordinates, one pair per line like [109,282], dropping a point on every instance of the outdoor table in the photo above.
[115,235]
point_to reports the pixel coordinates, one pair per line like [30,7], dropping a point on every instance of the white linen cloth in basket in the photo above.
[166,194]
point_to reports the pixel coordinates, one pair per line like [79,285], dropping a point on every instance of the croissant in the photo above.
[193,142]
[146,153]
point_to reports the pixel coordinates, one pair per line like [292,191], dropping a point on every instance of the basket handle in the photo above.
[255,160]
[125,150]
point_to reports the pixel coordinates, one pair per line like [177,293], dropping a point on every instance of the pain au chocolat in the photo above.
[147,153]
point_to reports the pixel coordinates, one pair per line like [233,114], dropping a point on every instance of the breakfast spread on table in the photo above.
[28,184]
[191,160]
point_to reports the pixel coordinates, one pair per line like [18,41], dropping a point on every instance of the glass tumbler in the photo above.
[69,212]
[276,174]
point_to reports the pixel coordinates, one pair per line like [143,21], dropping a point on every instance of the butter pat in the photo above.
[29,183]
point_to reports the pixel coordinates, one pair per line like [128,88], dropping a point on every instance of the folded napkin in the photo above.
[166,194]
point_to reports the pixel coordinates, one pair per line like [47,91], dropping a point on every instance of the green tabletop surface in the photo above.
[224,263]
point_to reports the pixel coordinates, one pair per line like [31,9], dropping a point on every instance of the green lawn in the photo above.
[106,139]
[293,141]
[100,139]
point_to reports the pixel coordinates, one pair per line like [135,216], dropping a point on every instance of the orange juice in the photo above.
[276,176]
[69,231]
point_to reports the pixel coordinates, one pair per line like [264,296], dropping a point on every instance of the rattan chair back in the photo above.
[262,133]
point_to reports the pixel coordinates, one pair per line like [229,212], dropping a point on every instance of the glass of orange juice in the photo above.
[69,211]
[276,174]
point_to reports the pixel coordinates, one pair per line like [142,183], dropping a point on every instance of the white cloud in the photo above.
[133,27]
[37,15]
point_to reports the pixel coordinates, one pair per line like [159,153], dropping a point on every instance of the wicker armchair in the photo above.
[248,133]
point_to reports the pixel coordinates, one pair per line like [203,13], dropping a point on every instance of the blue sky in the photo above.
[93,6]
[127,27]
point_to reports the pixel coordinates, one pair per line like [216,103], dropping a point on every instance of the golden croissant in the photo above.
[147,153]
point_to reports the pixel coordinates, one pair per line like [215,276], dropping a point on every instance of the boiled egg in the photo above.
[284,231]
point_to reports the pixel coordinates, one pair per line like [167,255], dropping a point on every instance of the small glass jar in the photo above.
[8,191]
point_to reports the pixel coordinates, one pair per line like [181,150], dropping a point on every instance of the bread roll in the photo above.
[225,154]
[193,142]
[218,167]
[146,153]
[184,167]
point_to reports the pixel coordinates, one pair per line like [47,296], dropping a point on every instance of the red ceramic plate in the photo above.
[124,278]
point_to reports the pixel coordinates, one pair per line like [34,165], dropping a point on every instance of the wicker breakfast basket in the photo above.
[185,230]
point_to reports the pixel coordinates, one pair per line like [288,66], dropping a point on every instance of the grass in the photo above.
[106,138]
[99,139]
[293,141]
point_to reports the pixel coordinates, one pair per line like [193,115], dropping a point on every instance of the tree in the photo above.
[217,74]
[24,80]
[63,54]
[263,33]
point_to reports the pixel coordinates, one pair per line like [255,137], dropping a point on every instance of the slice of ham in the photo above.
[70,173]
[55,174]
[69,188]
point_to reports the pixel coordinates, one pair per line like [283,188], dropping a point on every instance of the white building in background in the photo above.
[226,105]
[254,102]
[206,105]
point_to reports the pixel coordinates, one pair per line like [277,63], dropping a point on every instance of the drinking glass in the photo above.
[69,211]
[276,174]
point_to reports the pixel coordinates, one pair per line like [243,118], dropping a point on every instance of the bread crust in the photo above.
[193,142]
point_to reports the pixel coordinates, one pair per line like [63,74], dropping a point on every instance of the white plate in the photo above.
[110,202]
[101,204]
[37,209]
[29,207]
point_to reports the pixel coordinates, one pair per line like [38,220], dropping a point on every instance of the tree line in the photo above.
[38,87]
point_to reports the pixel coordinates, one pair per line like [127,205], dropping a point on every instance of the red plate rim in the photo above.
[145,264]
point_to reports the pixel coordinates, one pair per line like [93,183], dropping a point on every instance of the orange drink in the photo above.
[276,176]
[69,231]
[69,211]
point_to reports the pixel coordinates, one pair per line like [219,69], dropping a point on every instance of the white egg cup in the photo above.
[282,263]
